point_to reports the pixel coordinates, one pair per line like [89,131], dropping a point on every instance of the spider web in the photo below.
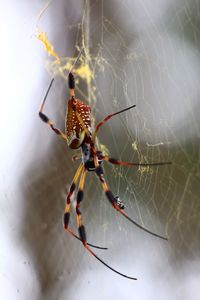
[133,54]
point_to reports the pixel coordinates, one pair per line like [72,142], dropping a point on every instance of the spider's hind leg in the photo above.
[46,119]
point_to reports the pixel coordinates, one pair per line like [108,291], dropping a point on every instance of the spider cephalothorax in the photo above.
[79,134]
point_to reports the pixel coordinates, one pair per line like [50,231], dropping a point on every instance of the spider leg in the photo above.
[112,199]
[124,163]
[67,207]
[81,228]
[46,119]
[105,264]
[71,191]
[108,118]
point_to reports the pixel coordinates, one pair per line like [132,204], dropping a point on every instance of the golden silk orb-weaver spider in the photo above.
[79,134]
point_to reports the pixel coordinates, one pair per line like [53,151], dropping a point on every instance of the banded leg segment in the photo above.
[71,191]
[67,207]
[124,163]
[113,200]
[80,194]
[46,119]
[81,228]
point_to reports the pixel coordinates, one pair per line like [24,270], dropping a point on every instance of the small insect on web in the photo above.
[79,135]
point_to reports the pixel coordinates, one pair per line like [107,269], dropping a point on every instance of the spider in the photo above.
[79,134]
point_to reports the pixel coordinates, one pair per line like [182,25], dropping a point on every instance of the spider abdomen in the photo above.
[74,130]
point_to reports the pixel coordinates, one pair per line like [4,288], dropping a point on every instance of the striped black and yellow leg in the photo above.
[67,207]
[70,193]
[81,228]
[46,119]
[124,163]
[80,194]
[113,200]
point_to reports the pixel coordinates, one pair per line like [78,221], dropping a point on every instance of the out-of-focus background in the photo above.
[140,53]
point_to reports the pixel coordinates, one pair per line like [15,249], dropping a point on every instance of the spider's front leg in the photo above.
[79,198]
[67,207]
[69,195]
[81,227]
[114,202]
